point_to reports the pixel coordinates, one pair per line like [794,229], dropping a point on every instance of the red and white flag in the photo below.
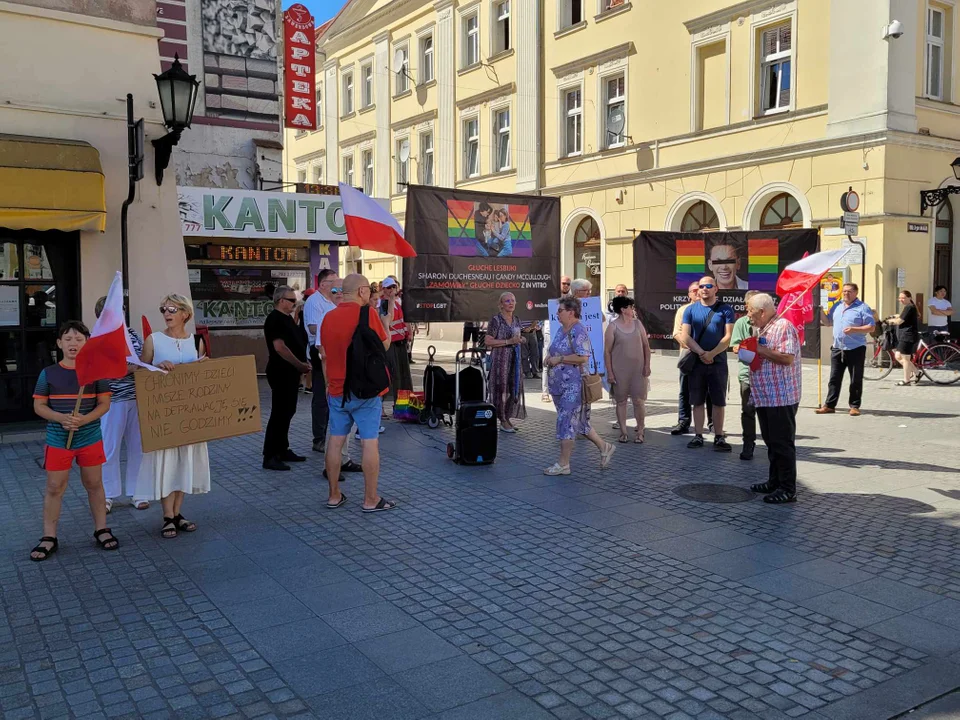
[803,275]
[748,354]
[371,227]
[106,354]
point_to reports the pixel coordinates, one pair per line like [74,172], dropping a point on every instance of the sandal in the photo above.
[557,469]
[109,506]
[639,438]
[334,506]
[169,529]
[763,488]
[184,525]
[44,551]
[780,497]
[903,383]
[606,455]
[384,504]
[111,543]
[142,505]
[622,438]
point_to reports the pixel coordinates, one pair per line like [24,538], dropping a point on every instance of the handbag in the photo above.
[592,383]
[688,361]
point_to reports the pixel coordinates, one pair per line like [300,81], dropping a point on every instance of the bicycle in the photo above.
[939,360]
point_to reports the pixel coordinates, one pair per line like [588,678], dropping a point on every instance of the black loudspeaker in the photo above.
[476,434]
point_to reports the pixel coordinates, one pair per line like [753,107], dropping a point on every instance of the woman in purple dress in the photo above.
[506,375]
[569,353]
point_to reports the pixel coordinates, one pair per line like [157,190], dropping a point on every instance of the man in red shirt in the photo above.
[336,335]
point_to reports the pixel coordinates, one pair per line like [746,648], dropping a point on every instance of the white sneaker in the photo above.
[557,469]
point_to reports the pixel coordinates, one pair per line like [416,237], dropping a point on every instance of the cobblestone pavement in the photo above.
[497,592]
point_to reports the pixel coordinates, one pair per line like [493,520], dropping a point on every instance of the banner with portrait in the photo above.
[473,246]
[666,264]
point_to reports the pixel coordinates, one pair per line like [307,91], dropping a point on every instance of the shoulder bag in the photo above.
[592,383]
[688,361]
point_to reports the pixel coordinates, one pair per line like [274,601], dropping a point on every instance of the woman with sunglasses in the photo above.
[172,473]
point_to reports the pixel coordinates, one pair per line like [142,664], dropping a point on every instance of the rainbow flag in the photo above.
[690,262]
[460,228]
[520,231]
[764,264]
[408,406]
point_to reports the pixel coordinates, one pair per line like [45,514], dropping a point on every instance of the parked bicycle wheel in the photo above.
[941,363]
[879,362]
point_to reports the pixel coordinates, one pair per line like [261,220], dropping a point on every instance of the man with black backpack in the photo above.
[355,337]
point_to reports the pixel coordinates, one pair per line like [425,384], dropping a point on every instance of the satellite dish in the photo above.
[399,60]
[615,121]
[404,151]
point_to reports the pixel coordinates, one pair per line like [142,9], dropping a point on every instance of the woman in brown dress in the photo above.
[626,351]
[506,379]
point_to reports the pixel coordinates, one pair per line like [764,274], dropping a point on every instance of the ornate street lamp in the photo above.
[178,98]
[935,198]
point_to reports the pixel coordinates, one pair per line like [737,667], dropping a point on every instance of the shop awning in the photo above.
[50,184]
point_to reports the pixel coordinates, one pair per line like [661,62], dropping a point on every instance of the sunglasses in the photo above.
[172,309]
[336,290]
[289,300]
[706,287]
[565,284]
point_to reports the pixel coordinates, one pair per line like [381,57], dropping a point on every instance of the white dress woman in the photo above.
[185,470]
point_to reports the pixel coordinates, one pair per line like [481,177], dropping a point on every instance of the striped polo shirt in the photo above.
[58,385]
[125,389]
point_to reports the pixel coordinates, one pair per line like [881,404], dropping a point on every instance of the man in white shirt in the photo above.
[940,309]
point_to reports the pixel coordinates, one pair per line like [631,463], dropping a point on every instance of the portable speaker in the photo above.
[476,434]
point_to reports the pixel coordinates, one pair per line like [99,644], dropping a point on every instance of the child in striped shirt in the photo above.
[55,399]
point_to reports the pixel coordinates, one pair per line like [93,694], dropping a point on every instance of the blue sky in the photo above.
[322,10]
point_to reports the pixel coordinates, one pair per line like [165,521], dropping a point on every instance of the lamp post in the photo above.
[935,198]
[178,98]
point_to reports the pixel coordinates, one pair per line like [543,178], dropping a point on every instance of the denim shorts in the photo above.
[365,413]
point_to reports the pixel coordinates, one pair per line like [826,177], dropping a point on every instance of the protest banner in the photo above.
[198,402]
[665,263]
[473,246]
[591,317]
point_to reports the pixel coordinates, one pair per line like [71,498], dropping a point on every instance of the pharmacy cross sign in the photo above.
[299,66]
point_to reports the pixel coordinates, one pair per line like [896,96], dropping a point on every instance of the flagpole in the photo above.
[76,411]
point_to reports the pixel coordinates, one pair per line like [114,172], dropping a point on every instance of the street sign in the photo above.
[850,201]
[918,227]
[851,222]
[854,256]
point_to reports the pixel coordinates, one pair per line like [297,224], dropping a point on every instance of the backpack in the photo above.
[367,375]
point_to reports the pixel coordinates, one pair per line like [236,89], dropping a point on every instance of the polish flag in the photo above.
[802,276]
[747,352]
[370,227]
[104,356]
[147,330]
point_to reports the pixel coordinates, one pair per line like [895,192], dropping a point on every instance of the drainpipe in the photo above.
[131,192]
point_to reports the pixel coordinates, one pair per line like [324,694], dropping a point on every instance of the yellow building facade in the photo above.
[655,116]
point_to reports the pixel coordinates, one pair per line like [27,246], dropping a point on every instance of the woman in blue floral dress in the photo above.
[569,352]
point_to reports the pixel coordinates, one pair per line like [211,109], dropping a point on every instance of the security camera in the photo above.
[893,30]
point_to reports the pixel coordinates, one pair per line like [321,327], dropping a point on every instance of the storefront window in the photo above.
[586,251]
[239,297]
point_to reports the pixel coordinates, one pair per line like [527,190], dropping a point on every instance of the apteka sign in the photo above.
[300,64]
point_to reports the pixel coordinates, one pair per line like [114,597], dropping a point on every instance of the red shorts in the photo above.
[60,459]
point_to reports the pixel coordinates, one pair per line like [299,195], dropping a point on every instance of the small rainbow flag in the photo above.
[520,231]
[460,228]
[764,264]
[690,262]
[408,406]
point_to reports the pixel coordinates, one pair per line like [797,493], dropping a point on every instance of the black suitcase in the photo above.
[475,438]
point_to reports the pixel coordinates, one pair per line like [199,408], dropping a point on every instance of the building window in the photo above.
[366,160]
[471,40]
[301,176]
[615,120]
[573,122]
[403,164]
[586,251]
[611,4]
[366,86]
[936,32]
[571,13]
[710,84]
[782,212]
[426,158]
[700,216]
[402,71]
[348,93]
[471,147]
[318,174]
[501,30]
[501,139]
[348,170]
[775,65]
[426,58]
[319,106]
[943,248]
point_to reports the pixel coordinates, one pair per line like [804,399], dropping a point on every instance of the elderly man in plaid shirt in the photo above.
[775,385]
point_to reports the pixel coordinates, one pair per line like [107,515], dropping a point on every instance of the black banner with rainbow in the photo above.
[665,264]
[474,246]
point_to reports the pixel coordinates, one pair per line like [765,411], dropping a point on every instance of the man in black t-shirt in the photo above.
[287,351]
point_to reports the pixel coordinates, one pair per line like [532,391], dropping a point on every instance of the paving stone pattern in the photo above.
[491,592]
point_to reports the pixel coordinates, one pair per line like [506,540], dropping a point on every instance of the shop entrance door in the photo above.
[39,289]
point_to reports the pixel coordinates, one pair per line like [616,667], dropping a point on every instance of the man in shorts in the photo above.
[707,330]
[336,335]
[72,435]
